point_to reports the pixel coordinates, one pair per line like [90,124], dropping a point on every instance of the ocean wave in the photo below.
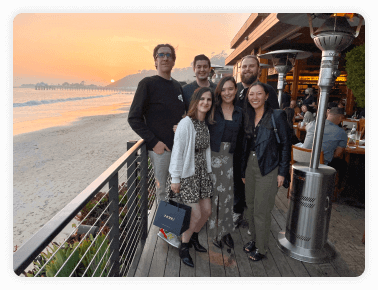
[53,101]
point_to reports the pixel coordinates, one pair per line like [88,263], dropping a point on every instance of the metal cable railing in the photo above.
[111,225]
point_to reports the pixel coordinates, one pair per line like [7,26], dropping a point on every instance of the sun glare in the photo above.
[112,81]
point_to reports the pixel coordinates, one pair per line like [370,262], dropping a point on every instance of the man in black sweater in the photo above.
[250,66]
[158,106]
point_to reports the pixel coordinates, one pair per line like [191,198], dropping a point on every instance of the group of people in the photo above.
[334,139]
[219,149]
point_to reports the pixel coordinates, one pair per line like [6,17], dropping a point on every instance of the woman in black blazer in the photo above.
[265,164]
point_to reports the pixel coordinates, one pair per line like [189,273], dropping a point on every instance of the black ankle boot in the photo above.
[227,239]
[197,246]
[184,255]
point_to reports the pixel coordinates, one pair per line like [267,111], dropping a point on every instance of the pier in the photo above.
[82,88]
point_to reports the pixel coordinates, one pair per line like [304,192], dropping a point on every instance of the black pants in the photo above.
[340,165]
[239,187]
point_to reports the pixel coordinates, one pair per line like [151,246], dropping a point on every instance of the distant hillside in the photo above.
[180,74]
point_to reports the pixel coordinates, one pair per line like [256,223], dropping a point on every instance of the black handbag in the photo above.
[286,182]
[173,217]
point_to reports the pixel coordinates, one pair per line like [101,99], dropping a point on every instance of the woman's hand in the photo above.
[243,179]
[175,187]
[280,180]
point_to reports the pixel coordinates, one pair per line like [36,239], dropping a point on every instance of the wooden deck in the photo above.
[347,225]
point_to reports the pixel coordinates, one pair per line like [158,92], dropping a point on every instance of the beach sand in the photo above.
[53,165]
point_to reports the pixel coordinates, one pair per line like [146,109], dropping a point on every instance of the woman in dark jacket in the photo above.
[265,163]
[223,139]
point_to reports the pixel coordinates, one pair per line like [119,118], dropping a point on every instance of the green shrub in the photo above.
[53,266]
[355,67]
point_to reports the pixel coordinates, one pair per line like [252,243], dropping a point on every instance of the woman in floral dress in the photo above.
[189,180]
[224,134]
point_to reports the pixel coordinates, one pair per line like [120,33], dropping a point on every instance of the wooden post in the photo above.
[350,102]
[296,72]
[264,72]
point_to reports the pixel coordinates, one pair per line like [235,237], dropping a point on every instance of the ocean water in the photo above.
[31,106]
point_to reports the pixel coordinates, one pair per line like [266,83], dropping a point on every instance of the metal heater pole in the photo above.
[327,76]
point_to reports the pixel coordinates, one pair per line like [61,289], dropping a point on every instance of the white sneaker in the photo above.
[249,233]
[171,239]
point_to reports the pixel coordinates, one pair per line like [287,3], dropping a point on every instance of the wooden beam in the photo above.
[248,44]
[264,72]
[296,71]
[280,37]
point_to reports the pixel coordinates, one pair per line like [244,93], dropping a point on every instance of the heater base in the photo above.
[323,255]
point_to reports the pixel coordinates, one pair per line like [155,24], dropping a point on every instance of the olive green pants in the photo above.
[260,193]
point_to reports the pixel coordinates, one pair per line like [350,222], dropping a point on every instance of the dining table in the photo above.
[353,149]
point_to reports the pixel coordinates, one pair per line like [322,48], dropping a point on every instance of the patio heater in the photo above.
[309,213]
[283,61]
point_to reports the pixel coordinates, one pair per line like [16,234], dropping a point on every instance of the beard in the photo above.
[248,80]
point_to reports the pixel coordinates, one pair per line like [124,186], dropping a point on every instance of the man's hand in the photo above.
[160,147]
[175,187]
[339,152]
[280,180]
[174,128]
[243,179]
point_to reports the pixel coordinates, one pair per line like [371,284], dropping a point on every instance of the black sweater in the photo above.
[157,106]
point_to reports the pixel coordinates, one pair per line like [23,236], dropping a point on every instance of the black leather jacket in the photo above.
[269,152]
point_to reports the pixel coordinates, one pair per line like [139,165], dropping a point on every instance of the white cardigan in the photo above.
[182,158]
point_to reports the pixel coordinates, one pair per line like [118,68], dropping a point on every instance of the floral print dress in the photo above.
[199,185]
[220,222]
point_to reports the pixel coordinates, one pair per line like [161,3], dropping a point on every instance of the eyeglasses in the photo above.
[162,55]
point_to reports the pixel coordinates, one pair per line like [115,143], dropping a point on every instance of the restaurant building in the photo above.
[264,32]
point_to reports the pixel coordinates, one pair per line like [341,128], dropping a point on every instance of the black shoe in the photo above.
[249,247]
[197,246]
[256,255]
[184,255]
[217,243]
[227,239]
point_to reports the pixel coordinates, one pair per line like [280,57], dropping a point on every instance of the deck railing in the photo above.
[111,229]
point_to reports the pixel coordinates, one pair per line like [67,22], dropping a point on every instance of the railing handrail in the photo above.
[25,255]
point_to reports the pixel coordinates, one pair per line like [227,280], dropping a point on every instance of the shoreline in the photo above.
[51,166]
[67,118]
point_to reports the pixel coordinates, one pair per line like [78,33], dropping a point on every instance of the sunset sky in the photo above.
[96,48]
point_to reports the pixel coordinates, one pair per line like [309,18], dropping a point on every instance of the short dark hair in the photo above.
[201,57]
[336,111]
[251,56]
[218,89]
[164,45]
[332,105]
[194,100]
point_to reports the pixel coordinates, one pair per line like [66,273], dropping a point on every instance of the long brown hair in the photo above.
[192,111]
[218,89]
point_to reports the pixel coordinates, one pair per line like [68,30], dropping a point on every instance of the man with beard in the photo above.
[249,74]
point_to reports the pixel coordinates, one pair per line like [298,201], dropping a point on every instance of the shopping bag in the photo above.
[173,217]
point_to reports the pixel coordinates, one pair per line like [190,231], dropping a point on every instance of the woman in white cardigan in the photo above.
[189,179]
